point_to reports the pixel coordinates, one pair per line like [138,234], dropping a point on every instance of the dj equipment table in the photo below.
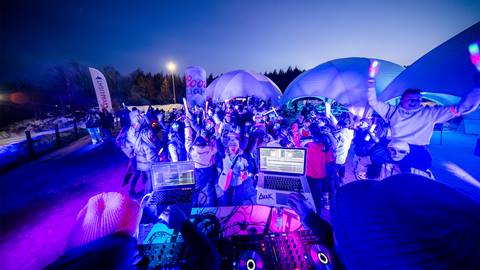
[247,237]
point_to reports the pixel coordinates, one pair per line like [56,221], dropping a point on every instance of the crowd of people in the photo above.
[434,226]
[222,140]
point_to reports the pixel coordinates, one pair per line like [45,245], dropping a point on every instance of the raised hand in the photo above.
[328,107]
[299,204]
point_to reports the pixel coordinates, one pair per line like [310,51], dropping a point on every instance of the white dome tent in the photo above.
[243,83]
[446,72]
[344,80]
[446,69]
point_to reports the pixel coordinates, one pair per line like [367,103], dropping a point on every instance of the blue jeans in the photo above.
[205,194]
[95,135]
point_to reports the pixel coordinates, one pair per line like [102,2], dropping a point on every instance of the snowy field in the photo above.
[13,141]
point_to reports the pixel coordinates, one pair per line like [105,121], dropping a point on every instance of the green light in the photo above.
[473,48]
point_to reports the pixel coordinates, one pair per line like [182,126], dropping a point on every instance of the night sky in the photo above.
[221,35]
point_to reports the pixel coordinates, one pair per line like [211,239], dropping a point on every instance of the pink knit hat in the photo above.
[105,214]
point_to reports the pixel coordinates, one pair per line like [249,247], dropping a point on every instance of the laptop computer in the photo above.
[172,183]
[281,172]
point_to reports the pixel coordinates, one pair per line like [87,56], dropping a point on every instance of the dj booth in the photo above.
[266,236]
[247,237]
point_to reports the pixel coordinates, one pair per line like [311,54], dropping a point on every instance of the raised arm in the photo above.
[471,101]
[380,107]
[188,134]
[328,112]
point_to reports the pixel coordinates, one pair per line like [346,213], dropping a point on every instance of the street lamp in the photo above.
[171,67]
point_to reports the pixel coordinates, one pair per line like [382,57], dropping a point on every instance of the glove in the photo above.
[299,204]
[174,217]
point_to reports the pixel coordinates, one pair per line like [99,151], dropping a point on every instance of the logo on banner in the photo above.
[265,196]
[196,83]
[196,87]
[101,92]
[101,89]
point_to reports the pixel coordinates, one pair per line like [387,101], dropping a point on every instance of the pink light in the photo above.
[475,54]
[373,70]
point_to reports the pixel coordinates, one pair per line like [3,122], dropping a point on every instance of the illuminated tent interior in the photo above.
[344,80]
[243,83]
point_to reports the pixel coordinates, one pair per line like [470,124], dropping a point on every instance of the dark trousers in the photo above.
[318,187]
[205,194]
[132,174]
[244,193]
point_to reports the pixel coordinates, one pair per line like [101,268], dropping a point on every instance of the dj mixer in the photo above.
[295,250]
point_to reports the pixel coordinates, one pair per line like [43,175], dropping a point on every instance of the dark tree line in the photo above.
[283,78]
[69,87]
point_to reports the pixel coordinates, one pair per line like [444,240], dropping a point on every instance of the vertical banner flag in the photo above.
[101,89]
[196,83]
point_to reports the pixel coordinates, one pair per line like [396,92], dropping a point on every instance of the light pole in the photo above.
[171,67]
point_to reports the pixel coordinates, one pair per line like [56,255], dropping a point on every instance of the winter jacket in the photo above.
[344,139]
[242,170]
[317,160]
[93,121]
[146,149]
[203,156]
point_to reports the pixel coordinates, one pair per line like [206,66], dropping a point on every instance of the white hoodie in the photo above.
[411,126]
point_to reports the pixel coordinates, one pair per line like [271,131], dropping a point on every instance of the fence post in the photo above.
[57,135]
[31,152]
[75,128]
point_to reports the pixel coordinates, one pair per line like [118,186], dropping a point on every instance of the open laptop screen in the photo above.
[282,160]
[173,174]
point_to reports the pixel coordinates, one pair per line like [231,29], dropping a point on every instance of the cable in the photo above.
[149,195]
[269,221]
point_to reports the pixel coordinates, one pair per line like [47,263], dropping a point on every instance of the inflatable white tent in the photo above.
[243,83]
[344,80]
[446,69]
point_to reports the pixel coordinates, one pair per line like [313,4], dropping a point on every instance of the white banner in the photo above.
[101,89]
[196,83]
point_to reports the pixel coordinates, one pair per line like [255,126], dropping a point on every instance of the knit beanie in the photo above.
[399,145]
[105,214]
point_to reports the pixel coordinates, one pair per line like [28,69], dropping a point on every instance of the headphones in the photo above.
[208,224]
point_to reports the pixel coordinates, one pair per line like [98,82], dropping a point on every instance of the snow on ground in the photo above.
[13,142]
[15,132]
[40,200]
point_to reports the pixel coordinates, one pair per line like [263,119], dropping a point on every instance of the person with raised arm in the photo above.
[413,123]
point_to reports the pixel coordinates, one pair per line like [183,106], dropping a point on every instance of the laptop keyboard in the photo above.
[283,183]
[172,196]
